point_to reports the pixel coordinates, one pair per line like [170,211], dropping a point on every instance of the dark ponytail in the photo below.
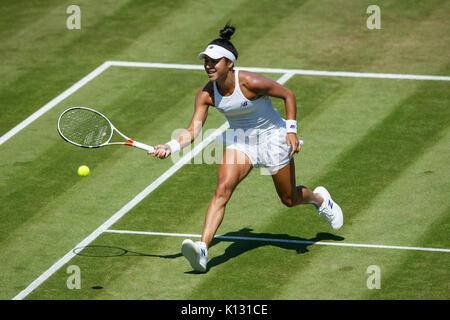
[227,31]
[224,40]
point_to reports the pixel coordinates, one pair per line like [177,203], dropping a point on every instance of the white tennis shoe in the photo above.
[329,209]
[196,253]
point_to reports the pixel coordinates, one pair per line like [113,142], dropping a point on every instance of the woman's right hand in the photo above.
[162,151]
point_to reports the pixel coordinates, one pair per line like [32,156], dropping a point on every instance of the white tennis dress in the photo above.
[256,128]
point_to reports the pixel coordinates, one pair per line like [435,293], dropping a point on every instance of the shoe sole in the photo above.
[189,252]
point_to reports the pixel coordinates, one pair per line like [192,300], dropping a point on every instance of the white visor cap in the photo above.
[216,52]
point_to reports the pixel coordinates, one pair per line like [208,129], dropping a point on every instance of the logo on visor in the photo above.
[210,47]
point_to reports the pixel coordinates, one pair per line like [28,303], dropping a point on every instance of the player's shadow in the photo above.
[111,251]
[245,240]
[241,241]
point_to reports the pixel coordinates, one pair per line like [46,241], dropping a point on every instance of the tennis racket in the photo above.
[88,128]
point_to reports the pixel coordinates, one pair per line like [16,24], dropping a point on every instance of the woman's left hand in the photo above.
[292,140]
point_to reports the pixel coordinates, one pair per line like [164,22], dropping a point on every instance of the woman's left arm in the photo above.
[262,86]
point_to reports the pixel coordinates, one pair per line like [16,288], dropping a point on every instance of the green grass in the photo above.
[380,146]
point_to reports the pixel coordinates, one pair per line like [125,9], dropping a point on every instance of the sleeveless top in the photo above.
[242,113]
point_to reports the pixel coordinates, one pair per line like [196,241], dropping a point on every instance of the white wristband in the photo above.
[174,146]
[291,126]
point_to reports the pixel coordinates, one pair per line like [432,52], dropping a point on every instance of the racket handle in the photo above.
[301,142]
[140,145]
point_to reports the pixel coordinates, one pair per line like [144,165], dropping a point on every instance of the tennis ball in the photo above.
[83,171]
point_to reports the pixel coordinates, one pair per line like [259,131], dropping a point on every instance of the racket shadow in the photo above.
[239,247]
[97,251]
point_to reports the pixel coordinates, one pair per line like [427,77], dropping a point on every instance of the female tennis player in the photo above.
[262,139]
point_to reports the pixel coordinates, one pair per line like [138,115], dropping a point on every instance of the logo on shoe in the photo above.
[203,252]
[330,204]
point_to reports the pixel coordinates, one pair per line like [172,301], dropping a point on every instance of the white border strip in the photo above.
[286,71]
[54,102]
[339,244]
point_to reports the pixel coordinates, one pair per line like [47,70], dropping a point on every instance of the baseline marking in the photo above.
[54,102]
[339,244]
[285,71]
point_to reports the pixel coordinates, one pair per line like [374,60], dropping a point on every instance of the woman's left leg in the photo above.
[290,194]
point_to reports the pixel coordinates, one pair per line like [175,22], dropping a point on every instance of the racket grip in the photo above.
[140,146]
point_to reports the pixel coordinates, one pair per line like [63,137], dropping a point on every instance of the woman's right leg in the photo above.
[235,166]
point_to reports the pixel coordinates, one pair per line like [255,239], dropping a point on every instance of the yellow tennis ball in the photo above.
[83,171]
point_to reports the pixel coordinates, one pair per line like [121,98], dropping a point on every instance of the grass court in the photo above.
[380,145]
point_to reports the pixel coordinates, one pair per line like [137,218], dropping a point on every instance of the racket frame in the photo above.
[129,142]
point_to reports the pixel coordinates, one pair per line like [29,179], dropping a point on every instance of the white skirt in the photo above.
[267,149]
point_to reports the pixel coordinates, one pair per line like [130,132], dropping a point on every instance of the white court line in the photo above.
[338,244]
[287,71]
[286,77]
[54,102]
[119,214]
[124,210]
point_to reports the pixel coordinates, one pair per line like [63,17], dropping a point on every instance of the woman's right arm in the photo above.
[187,136]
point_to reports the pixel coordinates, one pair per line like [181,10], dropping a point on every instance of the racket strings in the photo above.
[85,127]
